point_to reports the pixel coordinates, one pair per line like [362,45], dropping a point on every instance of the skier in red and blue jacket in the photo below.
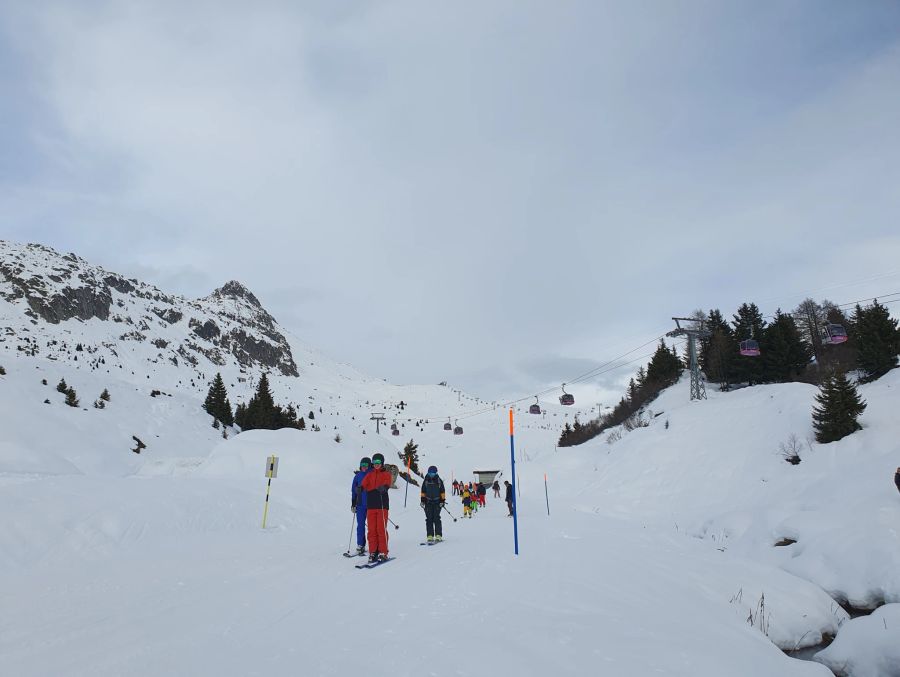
[376,483]
[358,504]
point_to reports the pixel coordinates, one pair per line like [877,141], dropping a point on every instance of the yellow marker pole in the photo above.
[266,509]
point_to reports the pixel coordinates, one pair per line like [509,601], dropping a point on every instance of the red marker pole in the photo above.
[512,456]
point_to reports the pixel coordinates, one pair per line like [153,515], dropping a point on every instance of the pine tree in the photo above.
[410,455]
[664,368]
[105,395]
[877,340]
[72,397]
[719,351]
[216,403]
[785,355]
[301,424]
[240,416]
[61,387]
[749,324]
[839,405]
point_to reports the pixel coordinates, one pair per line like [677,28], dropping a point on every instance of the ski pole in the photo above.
[396,526]
[350,540]
[449,513]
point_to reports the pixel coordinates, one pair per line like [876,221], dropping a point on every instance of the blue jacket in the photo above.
[357,495]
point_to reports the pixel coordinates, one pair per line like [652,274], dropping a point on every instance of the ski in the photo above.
[431,542]
[372,565]
[353,554]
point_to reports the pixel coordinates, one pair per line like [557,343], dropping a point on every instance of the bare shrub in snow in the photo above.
[790,449]
[614,436]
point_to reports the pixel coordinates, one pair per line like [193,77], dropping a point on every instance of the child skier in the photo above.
[432,497]
[358,504]
[467,503]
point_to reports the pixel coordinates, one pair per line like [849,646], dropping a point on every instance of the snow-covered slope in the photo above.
[657,556]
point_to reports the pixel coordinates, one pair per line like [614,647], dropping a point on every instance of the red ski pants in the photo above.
[376,520]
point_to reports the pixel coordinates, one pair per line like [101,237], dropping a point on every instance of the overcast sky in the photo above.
[502,194]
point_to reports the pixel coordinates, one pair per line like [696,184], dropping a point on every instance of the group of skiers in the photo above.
[370,503]
[369,500]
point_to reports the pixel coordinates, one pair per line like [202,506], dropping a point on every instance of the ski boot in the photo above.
[373,557]
[438,538]
[360,550]
[429,539]
[382,556]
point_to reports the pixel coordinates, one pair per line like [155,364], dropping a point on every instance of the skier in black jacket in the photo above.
[432,497]
[510,499]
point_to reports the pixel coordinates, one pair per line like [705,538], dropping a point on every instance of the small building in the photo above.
[486,477]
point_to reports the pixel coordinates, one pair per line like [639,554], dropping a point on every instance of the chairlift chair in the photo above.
[566,398]
[750,348]
[834,334]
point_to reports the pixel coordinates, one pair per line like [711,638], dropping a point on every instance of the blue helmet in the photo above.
[432,470]
[365,462]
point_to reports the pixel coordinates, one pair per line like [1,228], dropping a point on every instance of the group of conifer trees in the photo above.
[792,348]
[260,413]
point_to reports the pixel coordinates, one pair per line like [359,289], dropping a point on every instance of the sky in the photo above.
[499,195]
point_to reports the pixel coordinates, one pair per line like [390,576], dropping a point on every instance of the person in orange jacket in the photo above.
[376,484]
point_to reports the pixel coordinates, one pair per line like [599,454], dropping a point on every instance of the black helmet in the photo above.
[365,461]
[378,458]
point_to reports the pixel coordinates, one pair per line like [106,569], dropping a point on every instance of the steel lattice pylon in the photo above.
[696,331]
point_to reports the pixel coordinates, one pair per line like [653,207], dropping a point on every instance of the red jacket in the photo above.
[377,498]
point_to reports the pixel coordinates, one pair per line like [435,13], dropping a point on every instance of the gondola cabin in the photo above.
[749,348]
[458,430]
[395,432]
[534,409]
[447,426]
[834,334]
[567,399]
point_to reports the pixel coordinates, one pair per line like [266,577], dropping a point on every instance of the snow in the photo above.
[658,555]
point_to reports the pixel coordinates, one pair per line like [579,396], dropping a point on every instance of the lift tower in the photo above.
[695,329]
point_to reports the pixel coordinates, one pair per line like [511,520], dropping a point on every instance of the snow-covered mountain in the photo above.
[686,547]
[66,309]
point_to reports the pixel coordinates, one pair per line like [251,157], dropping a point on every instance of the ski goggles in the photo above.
[376,462]
[363,465]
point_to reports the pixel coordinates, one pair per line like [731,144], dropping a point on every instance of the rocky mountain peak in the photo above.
[235,290]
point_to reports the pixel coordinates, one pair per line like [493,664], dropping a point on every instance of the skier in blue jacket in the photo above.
[358,504]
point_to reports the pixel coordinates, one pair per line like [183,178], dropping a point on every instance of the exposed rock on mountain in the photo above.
[42,293]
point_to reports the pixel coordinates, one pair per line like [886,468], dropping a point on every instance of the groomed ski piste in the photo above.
[658,556]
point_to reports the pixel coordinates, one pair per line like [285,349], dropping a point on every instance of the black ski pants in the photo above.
[433,518]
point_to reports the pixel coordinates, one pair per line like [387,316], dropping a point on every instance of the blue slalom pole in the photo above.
[512,456]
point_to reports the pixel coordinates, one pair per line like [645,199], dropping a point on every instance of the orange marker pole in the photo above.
[512,457]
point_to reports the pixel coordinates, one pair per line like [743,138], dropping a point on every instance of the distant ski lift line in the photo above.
[611,366]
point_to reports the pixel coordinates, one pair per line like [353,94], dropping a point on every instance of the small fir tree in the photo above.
[62,387]
[72,397]
[2,370]
[410,455]
[105,395]
[839,405]
[878,340]
[216,403]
